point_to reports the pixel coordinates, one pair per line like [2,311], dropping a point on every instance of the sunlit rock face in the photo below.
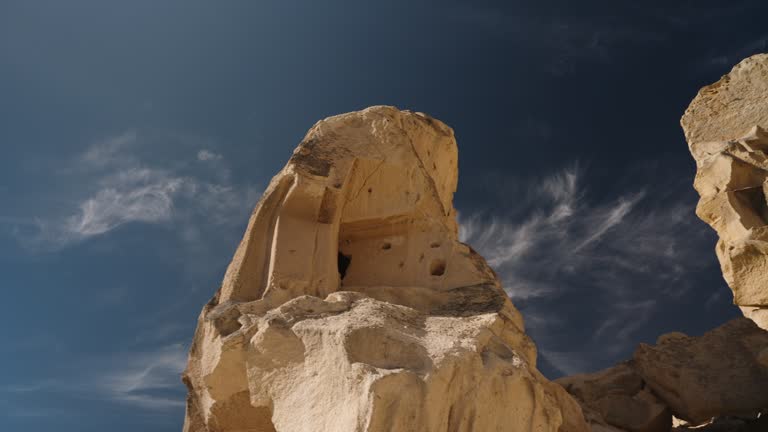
[350,304]
[725,126]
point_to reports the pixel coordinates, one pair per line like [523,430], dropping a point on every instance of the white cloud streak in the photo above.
[134,195]
[559,235]
[110,150]
[619,255]
[125,189]
[144,373]
[138,379]
[207,155]
[562,233]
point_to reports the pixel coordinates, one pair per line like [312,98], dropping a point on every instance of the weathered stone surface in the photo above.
[669,337]
[350,304]
[725,127]
[717,379]
[757,314]
[616,398]
[717,374]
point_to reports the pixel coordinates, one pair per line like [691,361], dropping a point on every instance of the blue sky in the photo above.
[137,137]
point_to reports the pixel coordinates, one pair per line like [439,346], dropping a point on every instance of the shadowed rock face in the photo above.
[350,304]
[617,399]
[719,374]
[725,128]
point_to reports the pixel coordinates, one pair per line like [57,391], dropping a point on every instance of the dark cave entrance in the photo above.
[343,264]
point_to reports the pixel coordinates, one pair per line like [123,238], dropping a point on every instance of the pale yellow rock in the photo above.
[725,127]
[350,304]
[757,314]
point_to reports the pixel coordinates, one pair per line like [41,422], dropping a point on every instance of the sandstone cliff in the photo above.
[350,304]
[725,128]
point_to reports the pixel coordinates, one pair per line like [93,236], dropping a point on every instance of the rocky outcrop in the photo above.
[617,397]
[350,304]
[725,126]
[718,375]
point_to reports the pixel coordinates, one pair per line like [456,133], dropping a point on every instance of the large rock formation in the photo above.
[725,128]
[722,374]
[350,304]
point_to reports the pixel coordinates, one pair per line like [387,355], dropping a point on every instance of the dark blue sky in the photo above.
[138,135]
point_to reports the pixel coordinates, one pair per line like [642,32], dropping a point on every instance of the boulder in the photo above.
[617,398]
[709,382]
[717,374]
[350,304]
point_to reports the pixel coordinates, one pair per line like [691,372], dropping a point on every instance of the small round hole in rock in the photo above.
[386,246]
[437,267]
[435,245]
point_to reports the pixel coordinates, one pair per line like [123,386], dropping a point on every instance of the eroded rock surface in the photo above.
[618,399]
[725,128]
[717,374]
[718,378]
[350,304]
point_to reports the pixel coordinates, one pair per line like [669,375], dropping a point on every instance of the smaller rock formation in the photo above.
[618,397]
[725,128]
[717,374]
[721,374]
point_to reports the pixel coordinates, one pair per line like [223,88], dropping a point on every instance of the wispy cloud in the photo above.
[122,185]
[207,155]
[140,379]
[143,374]
[558,236]
[110,150]
[640,311]
[619,256]
[133,195]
